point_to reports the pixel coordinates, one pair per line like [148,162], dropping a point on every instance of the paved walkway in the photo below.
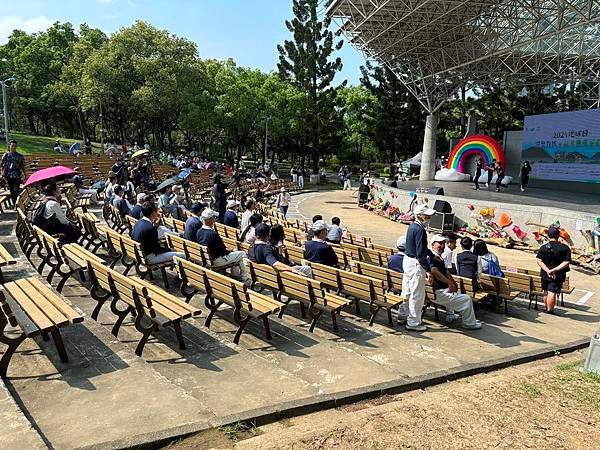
[109,397]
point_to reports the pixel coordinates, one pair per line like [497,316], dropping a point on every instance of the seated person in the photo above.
[79,185]
[451,239]
[395,261]
[145,231]
[467,262]
[335,231]
[317,250]
[136,211]
[120,202]
[194,223]
[310,234]
[250,205]
[446,289]
[262,252]
[230,218]
[485,258]
[248,235]
[52,219]
[219,255]
[165,197]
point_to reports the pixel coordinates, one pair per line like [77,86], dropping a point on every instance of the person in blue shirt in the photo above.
[136,211]
[317,250]
[417,270]
[230,217]
[395,261]
[145,231]
[194,223]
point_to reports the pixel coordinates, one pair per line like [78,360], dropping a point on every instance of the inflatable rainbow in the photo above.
[481,145]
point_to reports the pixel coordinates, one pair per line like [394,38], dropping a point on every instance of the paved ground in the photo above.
[107,396]
[538,197]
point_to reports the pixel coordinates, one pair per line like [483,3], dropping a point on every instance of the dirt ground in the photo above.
[546,404]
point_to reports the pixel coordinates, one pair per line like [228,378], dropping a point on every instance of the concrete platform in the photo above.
[106,397]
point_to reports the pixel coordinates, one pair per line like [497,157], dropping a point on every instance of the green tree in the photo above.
[359,105]
[308,63]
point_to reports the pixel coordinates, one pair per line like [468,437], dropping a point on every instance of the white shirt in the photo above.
[246,219]
[284,199]
[447,257]
[53,209]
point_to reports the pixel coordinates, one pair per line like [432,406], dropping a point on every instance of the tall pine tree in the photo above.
[308,63]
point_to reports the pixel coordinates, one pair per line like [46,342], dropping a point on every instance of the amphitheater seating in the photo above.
[6,259]
[220,289]
[35,309]
[149,303]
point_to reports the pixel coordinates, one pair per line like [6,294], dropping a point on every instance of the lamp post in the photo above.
[5,103]
[267,118]
[101,130]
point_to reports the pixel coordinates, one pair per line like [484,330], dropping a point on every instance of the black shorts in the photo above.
[554,286]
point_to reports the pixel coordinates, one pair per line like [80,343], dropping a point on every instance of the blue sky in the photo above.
[246,30]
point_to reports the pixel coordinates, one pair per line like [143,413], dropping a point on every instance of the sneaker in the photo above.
[522,190]
[476,326]
[401,320]
[487,184]
[420,327]
[452,318]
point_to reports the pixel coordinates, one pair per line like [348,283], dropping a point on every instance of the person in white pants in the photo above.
[294,174]
[301,178]
[347,182]
[446,289]
[416,269]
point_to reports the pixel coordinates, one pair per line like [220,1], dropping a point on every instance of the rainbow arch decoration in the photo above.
[482,145]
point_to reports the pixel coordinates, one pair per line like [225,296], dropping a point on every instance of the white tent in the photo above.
[414,161]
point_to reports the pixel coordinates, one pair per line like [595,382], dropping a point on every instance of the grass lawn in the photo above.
[29,144]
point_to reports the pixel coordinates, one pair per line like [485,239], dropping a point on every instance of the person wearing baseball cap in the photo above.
[219,255]
[554,259]
[446,289]
[194,222]
[136,211]
[317,250]
[416,268]
[230,218]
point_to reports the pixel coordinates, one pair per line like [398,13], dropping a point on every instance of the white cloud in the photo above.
[31,25]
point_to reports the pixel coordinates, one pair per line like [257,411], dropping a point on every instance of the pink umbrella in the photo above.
[57,173]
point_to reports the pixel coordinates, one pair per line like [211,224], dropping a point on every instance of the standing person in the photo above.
[88,146]
[283,201]
[500,175]
[220,196]
[525,171]
[554,259]
[490,172]
[301,173]
[347,180]
[417,269]
[294,174]
[13,169]
[478,170]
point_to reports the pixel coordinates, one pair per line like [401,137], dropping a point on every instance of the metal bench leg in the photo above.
[64,277]
[213,309]
[315,316]
[60,347]
[145,334]
[265,320]
[302,310]
[121,314]
[374,312]
[163,271]
[334,320]
[177,327]
[1,277]
[13,344]
[241,325]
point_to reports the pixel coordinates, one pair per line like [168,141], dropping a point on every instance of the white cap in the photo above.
[283,189]
[319,225]
[401,242]
[141,197]
[232,203]
[438,238]
[209,214]
[423,210]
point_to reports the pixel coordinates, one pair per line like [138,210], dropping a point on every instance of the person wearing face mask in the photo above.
[446,289]
[417,269]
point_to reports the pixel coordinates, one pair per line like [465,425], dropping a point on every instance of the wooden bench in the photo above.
[178,226]
[91,236]
[73,258]
[220,289]
[37,310]
[112,240]
[6,259]
[149,303]
[391,278]
[227,232]
[359,287]
[497,287]
[306,291]
[294,252]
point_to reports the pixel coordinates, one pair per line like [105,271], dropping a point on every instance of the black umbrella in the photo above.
[165,184]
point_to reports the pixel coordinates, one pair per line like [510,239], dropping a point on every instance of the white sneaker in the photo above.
[522,190]
[487,184]
[476,326]
[420,327]
[452,318]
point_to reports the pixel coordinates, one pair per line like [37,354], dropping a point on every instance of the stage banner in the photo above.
[563,146]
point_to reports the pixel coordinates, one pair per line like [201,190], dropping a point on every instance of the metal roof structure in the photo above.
[438,46]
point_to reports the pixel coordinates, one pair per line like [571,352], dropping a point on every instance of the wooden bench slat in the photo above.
[33,304]
[52,297]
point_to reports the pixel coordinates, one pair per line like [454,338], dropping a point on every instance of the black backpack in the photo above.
[38,218]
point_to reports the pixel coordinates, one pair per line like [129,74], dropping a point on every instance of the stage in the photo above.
[534,196]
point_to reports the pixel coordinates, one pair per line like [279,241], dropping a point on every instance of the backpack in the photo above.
[38,218]
[494,269]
